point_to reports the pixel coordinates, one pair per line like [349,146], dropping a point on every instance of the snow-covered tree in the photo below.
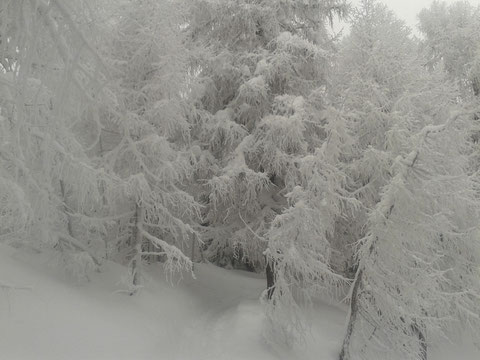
[385,94]
[450,42]
[50,78]
[451,38]
[255,65]
[301,249]
[403,97]
[417,277]
[145,138]
[94,143]
[275,142]
[373,72]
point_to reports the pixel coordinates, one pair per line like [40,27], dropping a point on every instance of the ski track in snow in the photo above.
[217,316]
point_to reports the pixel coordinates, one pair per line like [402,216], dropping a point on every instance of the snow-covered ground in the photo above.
[217,317]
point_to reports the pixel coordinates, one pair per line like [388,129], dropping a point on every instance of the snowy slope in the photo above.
[215,317]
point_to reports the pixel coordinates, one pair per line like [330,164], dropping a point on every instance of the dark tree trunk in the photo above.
[65,209]
[476,86]
[137,238]
[270,271]
[421,339]
[345,352]
[476,92]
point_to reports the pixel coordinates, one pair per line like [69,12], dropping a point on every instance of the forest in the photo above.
[336,166]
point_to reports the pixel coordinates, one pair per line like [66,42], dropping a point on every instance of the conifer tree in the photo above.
[145,139]
[256,66]
[451,39]
[50,80]
[416,275]
[384,93]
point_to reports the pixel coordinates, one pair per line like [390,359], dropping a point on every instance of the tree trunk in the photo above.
[270,272]
[476,92]
[421,339]
[137,258]
[65,209]
[345,352]
[192,254]
[476,86]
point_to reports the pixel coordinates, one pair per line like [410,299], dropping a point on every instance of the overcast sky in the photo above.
[407,10]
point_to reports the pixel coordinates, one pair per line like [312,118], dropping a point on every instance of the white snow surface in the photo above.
[217,316]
